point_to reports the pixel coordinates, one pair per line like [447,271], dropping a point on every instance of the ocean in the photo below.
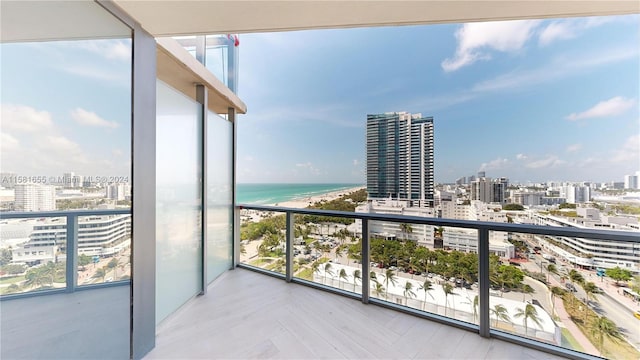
[261,194]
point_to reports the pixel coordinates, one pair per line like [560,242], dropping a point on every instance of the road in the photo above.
[627,323]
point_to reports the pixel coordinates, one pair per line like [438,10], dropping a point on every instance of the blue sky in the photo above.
[530,100]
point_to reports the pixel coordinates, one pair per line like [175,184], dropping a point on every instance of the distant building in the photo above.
[527,198]
[631,182]
[400,157]
[35,197]
[97,235]
[489,191]
[576,194]
[118,191]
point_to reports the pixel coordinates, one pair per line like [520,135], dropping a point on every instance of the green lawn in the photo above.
[569,341]
[11,280]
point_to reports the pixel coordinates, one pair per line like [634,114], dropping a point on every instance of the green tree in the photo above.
[35,278]
[602,327]
[501,313]
[357,276]
[516,207]
[5,256]
[406,229]
[590,289]
[389,276]
[426,286]
[529,312]
[555,291]
[342,275]
[408,292]
[553,269]
[527,289]
[448,290]
[635,284]
[618,274]
[112,265]
[100,273]
[378,289]
[327,270]
[13,269]
[84,260]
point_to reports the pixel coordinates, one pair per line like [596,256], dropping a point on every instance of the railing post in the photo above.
[236,237]
[289,246]
[483,280]
[71,246]
[366,268]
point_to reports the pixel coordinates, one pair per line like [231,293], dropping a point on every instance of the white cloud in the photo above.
[557,30]
[612,107]
[574,147]
[355,162]
[521,157]
[8,142]
[309,166]
[549,161]
[495,164]
[474,38]
[59,144]
[84,117]
[629,152]
[24,118]
[568,29]
[110,49]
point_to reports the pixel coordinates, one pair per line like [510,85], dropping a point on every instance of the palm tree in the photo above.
[342,275]
[356,277]
[529,312]
[590,289]
[112,265]
[101,272]
[426,287]
[408,292]
[551,268]
[378,289]
[327,270]
[602,327]
[576,278]
[500,313]
[527,289]
[389,277]
[476,301]
[448,290]
[372,276]
[406,229]
[555,291]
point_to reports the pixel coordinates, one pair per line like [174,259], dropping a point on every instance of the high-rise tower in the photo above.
[400,157]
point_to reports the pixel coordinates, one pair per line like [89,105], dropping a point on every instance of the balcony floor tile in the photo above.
[247,315]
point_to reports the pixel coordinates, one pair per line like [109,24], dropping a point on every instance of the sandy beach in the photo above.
[253,215]
[304,202]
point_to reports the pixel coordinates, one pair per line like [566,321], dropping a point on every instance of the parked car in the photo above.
[637,314]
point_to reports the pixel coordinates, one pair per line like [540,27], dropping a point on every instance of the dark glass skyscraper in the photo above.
[400,157]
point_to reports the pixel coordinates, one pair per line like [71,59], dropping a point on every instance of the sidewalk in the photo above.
[615,292]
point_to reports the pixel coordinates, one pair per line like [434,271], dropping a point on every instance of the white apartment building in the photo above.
[576,194]
[631,182]
[527,198]
[588,252]
[118,191]
[97,235]
[460,239]
[35,197]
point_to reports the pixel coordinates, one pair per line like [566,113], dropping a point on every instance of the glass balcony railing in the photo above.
[492,278]
[63,251]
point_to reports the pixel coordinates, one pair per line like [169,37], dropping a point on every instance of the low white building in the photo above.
[97,235]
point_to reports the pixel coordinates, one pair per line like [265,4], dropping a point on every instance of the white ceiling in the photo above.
[170,18]
[57,20]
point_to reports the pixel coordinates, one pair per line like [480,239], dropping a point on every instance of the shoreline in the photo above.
[301,203]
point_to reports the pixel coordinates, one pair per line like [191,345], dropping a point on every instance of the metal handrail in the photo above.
[483,228]
[71,273]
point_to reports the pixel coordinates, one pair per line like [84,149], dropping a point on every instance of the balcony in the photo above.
[274,319]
